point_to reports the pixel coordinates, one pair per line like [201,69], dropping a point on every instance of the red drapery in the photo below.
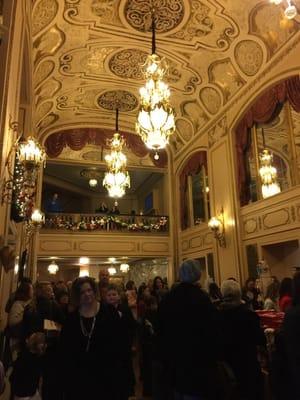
[266,108]
[76,139]
[192,167]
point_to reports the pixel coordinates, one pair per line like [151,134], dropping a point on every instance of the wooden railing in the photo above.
[106,222]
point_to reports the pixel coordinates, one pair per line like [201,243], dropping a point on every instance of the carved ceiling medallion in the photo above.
[249,56]
[128,63]
[122,99]
[168,13]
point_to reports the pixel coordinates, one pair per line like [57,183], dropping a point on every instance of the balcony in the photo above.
[103,235]
[104,223]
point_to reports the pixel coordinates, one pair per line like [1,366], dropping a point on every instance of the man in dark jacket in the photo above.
[188,337]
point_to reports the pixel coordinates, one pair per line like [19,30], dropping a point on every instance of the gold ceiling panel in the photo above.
[88,55]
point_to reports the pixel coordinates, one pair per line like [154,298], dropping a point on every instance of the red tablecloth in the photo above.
[270,319]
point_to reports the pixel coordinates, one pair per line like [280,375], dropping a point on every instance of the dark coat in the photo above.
[27,371]
[291,335]
[241,334]
[188,340]
[88,374]
[36,313]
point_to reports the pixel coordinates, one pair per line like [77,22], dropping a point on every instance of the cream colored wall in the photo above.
[17,15]
[282,258]
[219,136]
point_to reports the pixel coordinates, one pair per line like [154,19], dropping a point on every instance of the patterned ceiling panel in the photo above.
[88,57]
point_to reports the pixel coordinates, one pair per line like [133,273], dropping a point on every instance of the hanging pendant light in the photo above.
[53,268]
[117,178]
[268,173]
[290,11]
[156,118]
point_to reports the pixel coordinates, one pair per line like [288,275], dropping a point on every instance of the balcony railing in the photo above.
[106,222]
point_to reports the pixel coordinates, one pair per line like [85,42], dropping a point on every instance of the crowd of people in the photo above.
[77,340]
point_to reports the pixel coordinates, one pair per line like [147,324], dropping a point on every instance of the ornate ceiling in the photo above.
[88,56]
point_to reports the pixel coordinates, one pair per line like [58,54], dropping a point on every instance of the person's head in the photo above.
[62,298]
[158,283]
[55,196]
[146,292]
[103,276]
[214,291]
[231,291]
[190,271]
[150,284]
[274,279]
[286,287]
[84,291]
[250,284]
[36,343]
[60,285]
[113,295]
[273,291]
[151,303]
[24,291]
[296,289]
[130,285]
[44,290]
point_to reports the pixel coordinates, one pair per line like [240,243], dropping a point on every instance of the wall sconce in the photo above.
[217,226]
[35,222]
[19,180]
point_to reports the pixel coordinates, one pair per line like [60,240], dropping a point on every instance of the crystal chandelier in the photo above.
[268,173]
[116,179]
[290,10]
[156,118]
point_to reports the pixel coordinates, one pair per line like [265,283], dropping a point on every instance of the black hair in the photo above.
[76,288]
[286,287]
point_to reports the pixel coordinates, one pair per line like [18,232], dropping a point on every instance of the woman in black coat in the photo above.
[188,337]
[92,347]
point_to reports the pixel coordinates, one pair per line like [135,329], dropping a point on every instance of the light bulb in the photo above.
[84,260]
[290,12]
[93,182]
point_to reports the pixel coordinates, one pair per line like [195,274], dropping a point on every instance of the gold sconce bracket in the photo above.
[217,226]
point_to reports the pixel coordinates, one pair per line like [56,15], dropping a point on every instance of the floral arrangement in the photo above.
[109,223]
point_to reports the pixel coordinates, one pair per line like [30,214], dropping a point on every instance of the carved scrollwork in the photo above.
[191,85]
[62,102]
[44,12]
[199,23]
[168,14]
[122,99]
[65,63]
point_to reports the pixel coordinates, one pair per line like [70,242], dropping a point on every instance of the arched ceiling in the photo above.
[88,55]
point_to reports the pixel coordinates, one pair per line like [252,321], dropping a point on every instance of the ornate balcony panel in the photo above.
[103,244]
[196,240]
[278,215]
